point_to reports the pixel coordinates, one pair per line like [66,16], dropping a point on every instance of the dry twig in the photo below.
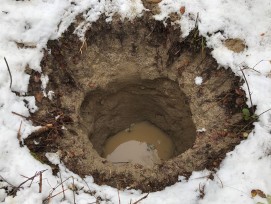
[73,189]
[84,43]
[14,191]
[62,185]
[40,183]
[47,200]
[144,197]
[9,73]
[249,93]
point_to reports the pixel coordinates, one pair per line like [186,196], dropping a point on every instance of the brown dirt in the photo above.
[89,78]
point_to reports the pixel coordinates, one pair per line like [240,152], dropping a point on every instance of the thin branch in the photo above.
[27,118]
[253,121]
[40,183]
[73,190]
[264,112]
[62,185]
[249,93]
[14,191]
[32,178]
[59,184]
[197,18]
[259,63]
[2,178]
[219,180]
[9,73]
[55,195]
[144,197]
[53,189]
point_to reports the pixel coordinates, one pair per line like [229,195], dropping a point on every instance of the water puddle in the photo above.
[141,143]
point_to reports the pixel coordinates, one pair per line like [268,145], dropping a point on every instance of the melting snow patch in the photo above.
[198,81]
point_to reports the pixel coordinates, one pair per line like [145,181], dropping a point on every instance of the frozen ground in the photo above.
[34,22]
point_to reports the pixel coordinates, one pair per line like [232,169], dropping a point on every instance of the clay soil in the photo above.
[151,61]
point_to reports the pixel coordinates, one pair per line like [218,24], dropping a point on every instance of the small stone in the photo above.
[245,134]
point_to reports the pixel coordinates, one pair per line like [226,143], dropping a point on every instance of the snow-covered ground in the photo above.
[35,22]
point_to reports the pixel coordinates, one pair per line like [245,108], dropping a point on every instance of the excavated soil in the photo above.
[127,72]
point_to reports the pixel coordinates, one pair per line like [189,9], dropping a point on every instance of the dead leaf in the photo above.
[258,192]
[240,92]
[39,97]
[182,10]
[239,101]
[236,45]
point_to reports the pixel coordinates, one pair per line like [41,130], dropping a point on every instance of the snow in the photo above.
[26,26]
[201,130]
[198,80]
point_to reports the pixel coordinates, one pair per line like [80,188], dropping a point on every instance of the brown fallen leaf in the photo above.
[258,192]
[39,96]
[182,10]
[240,92]
[239,101]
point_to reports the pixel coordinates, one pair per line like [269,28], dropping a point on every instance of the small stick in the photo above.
[53,189]
[28,118]
[120,162]
[197,18]
[259,63]
[249,93]
[19,115]
[141,199]
[2,178]
[62,185]
[264,112]
[83,43]
[40,183]
[253,121]
[219,180]
[73,190]
[9,73]
[31,178]
[54,195]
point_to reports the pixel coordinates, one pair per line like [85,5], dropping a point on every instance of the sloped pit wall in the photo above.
[159,101]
